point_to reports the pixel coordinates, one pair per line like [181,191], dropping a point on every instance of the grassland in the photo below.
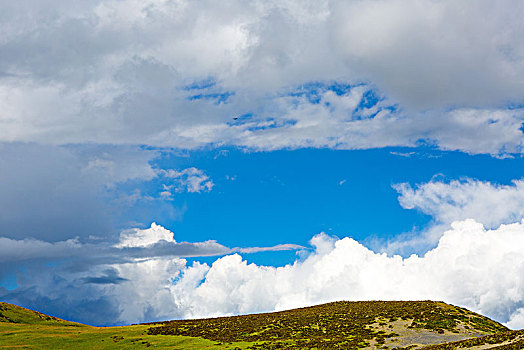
[341,325]
[21,328]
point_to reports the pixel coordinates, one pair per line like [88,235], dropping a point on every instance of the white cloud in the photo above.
[142,238]
[473,267]
[477,130]
[124,282]
[275,248]
[176,73]
[517,320]
[190,180]
[402,154]
[488,203]
[447,201]
[146,295]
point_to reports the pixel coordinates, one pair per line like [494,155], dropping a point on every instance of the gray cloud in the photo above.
[110,276]
[134,244]
[433,53]
[54,193]
[103,253]
[176,73]
[115,277]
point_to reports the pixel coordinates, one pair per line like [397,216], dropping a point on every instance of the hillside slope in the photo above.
[424,325]
[10,313]
[510,340]
[376,324]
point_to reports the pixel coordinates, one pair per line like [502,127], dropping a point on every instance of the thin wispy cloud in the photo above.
[192,180]
[152,242]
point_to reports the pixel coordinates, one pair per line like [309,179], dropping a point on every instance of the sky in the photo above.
[170,159]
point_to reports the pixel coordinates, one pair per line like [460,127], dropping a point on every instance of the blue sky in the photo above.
[197,153]
[268,198]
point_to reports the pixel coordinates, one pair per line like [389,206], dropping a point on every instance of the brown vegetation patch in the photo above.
[339,325]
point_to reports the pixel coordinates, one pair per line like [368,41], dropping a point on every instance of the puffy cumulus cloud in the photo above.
[471,266]
[489,203]
[175,73]
[127,282]
[103,294]
[146,294]
[142,238]
[517,320]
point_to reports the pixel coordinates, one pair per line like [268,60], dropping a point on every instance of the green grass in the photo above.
[21,328]
[22,336]
[340,325]
[10,313]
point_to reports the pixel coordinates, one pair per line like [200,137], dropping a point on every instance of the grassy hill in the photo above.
[10,313]
[424,325]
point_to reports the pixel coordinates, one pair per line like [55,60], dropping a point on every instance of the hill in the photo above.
[379,324]
[424,325]
[10,313]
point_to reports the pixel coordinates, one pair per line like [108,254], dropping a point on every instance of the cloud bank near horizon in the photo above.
[471,266]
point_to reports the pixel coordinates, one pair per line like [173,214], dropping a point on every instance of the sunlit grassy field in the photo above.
[86,337]
[21,328]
